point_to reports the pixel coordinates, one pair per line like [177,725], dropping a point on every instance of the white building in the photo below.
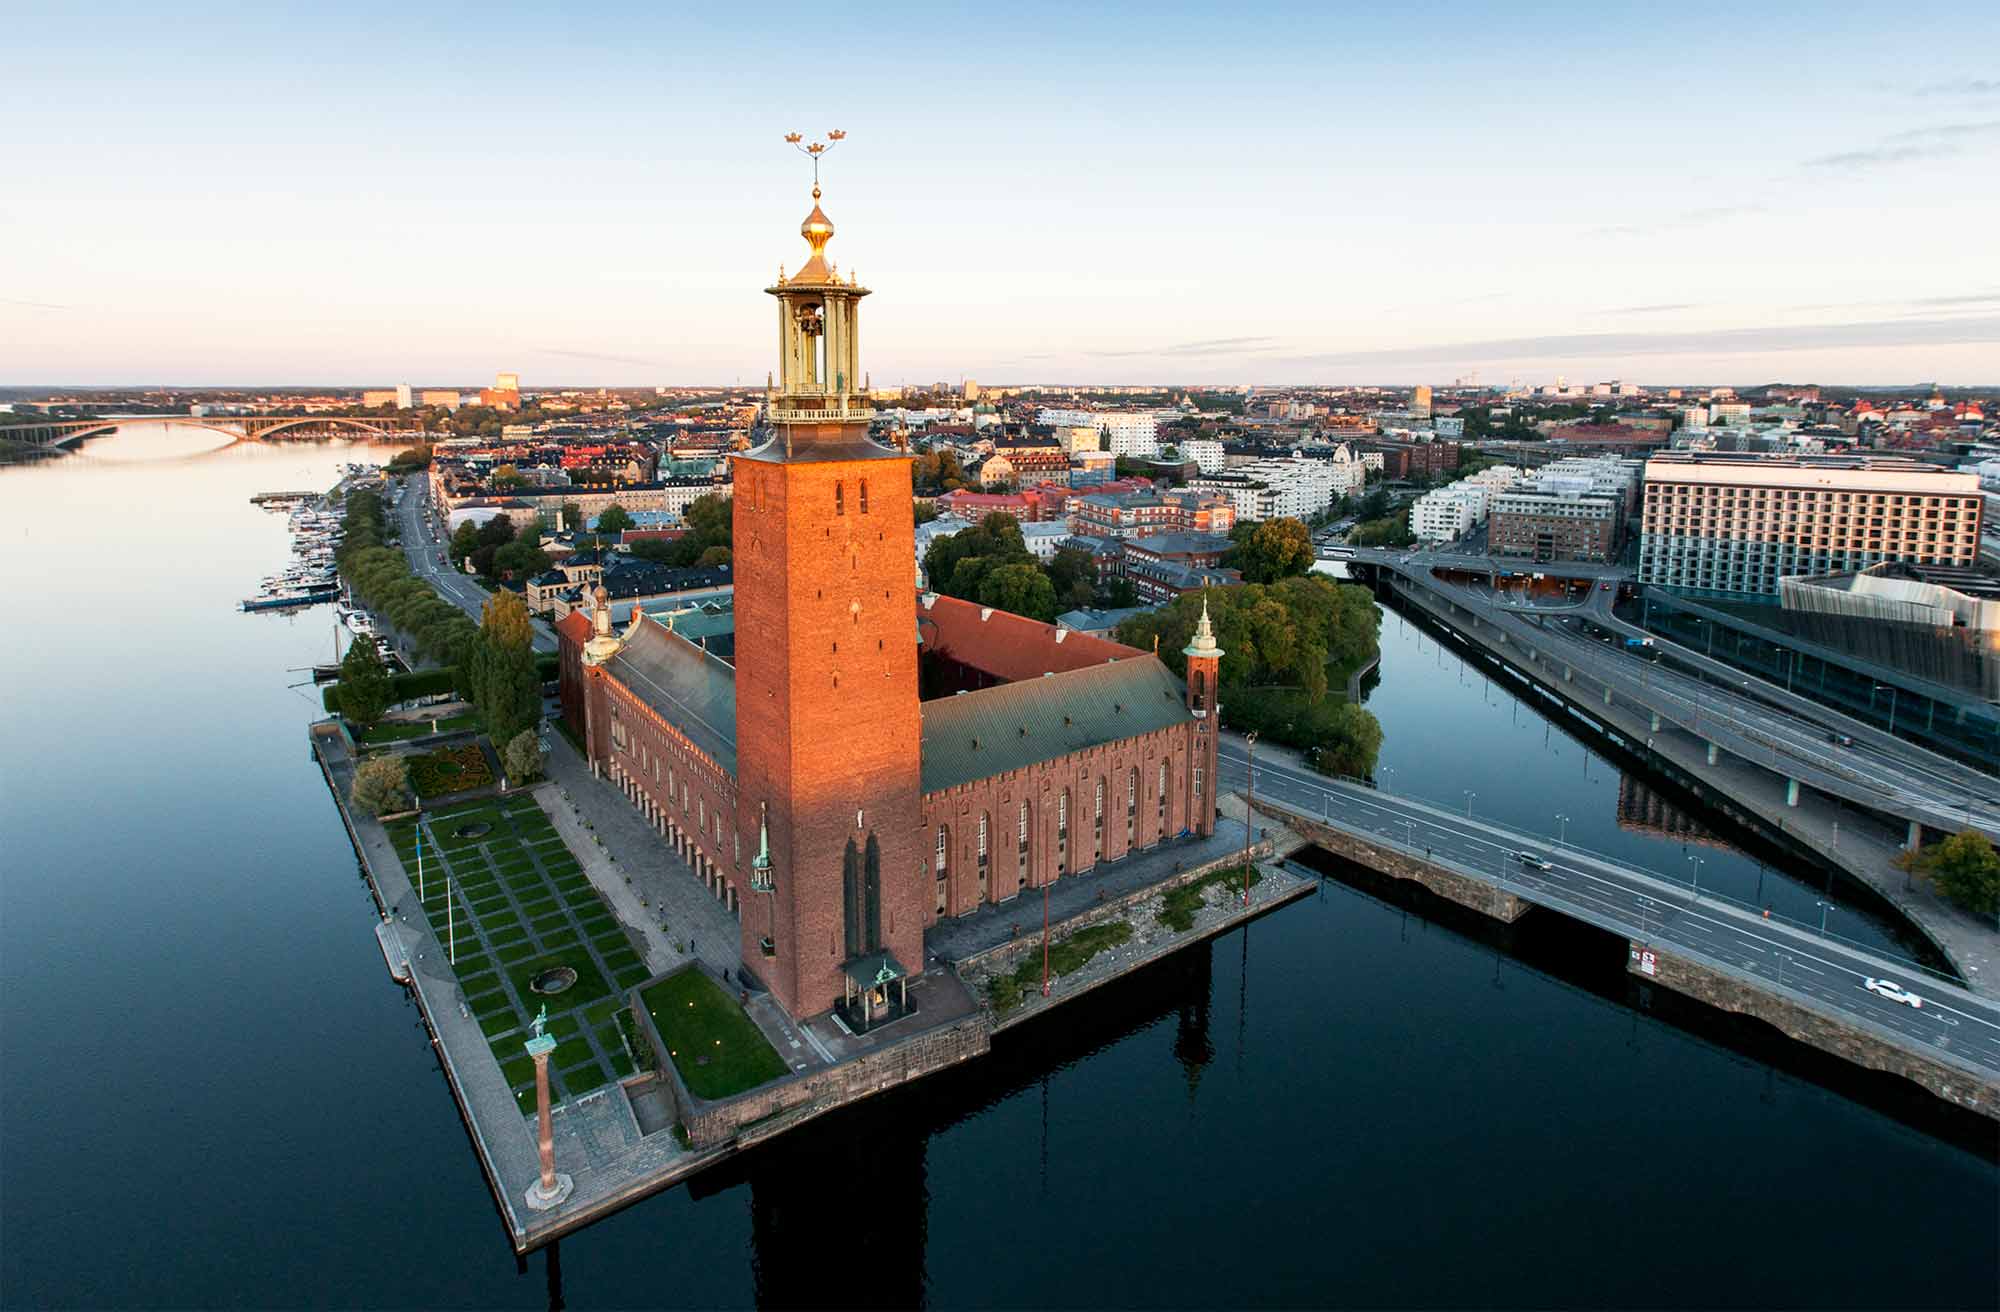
[1279,488]
[1453,509]
[1131,432]
[1205,452]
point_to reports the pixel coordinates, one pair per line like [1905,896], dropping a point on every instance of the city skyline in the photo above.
[1338,199]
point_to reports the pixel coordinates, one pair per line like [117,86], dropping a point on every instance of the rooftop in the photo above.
[1014,725]
[1005,645]
[692,690]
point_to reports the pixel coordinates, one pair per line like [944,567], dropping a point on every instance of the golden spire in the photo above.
[817,228]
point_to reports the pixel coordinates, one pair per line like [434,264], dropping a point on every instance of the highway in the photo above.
[1953,1026]
[1903,781]
[417,525]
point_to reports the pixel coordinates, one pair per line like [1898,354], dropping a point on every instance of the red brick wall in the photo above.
[689,799]
[827,722]
[999,797]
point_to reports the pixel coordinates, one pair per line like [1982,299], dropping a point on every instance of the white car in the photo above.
[1533,861]
[1893,992]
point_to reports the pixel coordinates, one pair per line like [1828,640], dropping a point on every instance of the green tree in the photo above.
[520,559]
[1273,550]
[464,541]
[571,517]
[614,518]
[713,557]
[381,785]
[506,478]
[500,678]
[364,683]
[523,758]
[1964,867]
[496,532]
[1019,588]
[925,512]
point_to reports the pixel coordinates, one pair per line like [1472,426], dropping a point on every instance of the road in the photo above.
[418,523]
[1952,1026]
[1901,780]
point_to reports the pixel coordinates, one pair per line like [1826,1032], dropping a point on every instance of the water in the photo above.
[211,1094]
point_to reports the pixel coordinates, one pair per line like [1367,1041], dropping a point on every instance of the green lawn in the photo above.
[697,1019]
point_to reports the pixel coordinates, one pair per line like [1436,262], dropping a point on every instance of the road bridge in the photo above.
[1799,740]
[1809,985]
[246,428]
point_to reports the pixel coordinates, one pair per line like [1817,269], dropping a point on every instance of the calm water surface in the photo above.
[211,1094]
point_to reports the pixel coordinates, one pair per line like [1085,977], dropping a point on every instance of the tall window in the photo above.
[1022,836]
[1098,815]
[839,497]
[1197,783]
[864,496]
[943,848]
[982,838]
[1131,805]
[1163,798]
[1062,818]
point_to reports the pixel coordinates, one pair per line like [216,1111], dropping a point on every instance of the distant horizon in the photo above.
[1654,391]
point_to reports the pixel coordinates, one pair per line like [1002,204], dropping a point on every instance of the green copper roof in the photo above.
[693,691]
[1013,725]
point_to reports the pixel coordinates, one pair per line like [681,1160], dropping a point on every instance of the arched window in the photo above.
[864,496]
[982,838]
[1097,815]
[839,497]
[1062,818]
[1132,806]
[943,849]
[1163,798]
[1022,835]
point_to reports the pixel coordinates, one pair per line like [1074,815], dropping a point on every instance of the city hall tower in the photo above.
[828,725]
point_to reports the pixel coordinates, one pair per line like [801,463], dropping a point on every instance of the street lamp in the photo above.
[1823,906]
[1249,804]
[1389,770]
[1469,795]
[1695,861]
[1562,833]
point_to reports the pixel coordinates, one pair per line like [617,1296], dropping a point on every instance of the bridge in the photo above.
[247,428]
[1809,985]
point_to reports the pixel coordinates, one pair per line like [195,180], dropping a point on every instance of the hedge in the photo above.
[428,683]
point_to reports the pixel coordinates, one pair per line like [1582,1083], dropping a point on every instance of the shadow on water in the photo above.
[1593,961]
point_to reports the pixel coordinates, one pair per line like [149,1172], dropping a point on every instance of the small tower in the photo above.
[1204,673]
[1204,665]
[604,643]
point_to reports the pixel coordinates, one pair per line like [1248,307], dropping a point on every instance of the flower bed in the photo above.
[449,770]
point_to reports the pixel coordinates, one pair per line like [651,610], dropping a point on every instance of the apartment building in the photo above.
[1738,523]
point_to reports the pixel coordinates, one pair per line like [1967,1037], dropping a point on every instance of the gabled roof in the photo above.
[1005,645]
[1013,725]
[693,691]
[574,628]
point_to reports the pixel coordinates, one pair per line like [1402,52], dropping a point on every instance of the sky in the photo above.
[365,194]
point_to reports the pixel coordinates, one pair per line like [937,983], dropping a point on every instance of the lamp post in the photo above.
[1469,795]
[1562,832]
[1823,906]
[1390,770]
[1249,804]
[1695,862]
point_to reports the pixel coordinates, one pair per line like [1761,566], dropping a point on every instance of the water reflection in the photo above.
[1644,809]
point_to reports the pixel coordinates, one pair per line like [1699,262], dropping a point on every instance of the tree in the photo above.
[496,532]
[381,785]
[925,511]
[506,478]
[1273,550]
[520,558]
[615,519]
[523,758]
[464,541]
[364,683]
[499,678]
[571,517]
[1021,589]
[1965,869]
[713,557]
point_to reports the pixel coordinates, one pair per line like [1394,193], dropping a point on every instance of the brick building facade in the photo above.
[810,784]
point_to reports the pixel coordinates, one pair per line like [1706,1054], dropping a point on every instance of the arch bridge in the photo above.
[244,428]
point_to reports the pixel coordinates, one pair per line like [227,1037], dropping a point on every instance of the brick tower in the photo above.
[1204,682]
[828,731]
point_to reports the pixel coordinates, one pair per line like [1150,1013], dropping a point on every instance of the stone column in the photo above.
[551,1188]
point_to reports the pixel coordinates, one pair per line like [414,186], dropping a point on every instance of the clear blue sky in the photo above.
[367,194]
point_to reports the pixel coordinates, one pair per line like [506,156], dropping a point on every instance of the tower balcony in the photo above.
[820,409]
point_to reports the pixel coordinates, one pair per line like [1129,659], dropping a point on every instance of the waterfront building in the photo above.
[1739,523]
[892,783]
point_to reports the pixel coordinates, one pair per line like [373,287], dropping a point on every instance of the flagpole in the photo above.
[420,856]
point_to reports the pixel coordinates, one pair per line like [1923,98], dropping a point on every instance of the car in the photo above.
[1604,587]
[1893,992]
[1840,739]
[1530,859]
